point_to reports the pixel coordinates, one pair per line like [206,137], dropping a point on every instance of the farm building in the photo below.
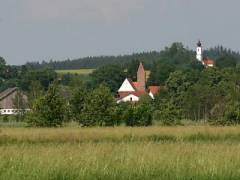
[12,101]
[132,91]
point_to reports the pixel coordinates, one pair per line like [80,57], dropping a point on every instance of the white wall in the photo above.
[129,98]
[151,95]
[10,111]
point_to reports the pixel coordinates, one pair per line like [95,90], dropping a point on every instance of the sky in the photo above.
[36,30]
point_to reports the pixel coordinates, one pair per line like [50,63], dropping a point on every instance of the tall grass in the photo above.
[120,134]
[120,153]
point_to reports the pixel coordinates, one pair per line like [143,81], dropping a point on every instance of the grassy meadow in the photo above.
[191,152]
[75,71]
[85,72]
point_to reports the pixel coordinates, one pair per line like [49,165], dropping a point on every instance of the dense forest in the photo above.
[147,57]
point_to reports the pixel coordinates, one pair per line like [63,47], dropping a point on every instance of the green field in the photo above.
[191,152]
[85,72]
[75,71]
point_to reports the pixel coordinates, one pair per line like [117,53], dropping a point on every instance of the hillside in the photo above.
[147,57]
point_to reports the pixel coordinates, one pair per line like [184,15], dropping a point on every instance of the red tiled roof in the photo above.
[208,61]
[136,93]
[154,89]
[136,85]
[132,83]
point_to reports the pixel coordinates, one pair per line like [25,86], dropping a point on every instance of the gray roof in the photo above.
[7,92]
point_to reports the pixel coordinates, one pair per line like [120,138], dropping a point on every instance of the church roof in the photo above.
[136,93]
[208,61]
[154,89]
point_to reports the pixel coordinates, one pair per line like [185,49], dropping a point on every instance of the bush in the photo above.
[168,114]
[5,118]
[232,114]
[138,115]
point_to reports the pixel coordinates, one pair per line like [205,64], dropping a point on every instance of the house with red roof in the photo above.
[131,91]
[207,62]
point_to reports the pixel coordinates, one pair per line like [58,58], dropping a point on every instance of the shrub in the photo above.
[138,115]
[169,115]
[232,114]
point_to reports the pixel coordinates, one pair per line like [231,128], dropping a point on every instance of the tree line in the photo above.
[189,91]
[147,57]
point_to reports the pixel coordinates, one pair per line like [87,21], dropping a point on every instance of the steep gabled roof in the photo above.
[132,83]
[127,86]
[7,92]
[154,89]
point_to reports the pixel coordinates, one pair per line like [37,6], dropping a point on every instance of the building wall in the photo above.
[7,106]
[7,102]
[11,111]
[151,95]
[129,98]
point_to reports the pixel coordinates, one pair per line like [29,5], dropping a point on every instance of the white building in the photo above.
[207,62]
[132,91]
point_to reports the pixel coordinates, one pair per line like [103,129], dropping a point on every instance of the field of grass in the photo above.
[191,152]
[76,71]
[85,72]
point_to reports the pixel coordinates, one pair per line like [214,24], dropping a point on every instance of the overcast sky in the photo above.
[35,30]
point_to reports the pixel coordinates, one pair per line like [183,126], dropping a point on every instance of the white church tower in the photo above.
[199,55]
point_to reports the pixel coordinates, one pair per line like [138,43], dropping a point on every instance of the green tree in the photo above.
[35,91]
[77,101]
[226,61]
[2,66]
[140,114]
[132,69]
[20,103]
[98,107]
[169,114]
[48,110]
[44,76]
[232,113]
[111,75]
[160,72]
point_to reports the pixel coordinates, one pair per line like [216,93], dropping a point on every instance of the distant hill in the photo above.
[147,57]
[95,62]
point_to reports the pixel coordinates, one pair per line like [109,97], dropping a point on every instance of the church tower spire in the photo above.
[141,78]
[199,51]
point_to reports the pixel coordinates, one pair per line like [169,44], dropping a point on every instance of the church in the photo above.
[206,61]
[131,91]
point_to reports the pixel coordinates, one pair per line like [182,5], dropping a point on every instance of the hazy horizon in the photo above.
[36,30]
